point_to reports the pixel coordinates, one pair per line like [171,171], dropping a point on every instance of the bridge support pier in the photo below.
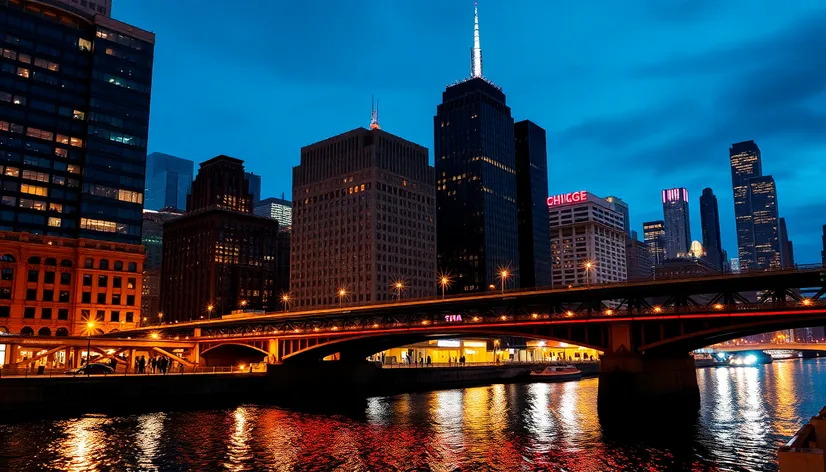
[652,382]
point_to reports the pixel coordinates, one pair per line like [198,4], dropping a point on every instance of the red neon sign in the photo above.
[566,198]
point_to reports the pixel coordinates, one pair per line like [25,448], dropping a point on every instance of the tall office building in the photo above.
[587,240]
[762,195]
[476,183]
[621,207]
[532,209]
[254,182]
[677,228]
[823,252]
[654,237]
[278,209]
[152,237]
[786,246]
[74,114]
[746,164]
[638,259]
[710,221]
[363,220]
[219,257]
[168,180]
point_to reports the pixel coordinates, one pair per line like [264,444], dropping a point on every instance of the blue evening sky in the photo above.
[635,95]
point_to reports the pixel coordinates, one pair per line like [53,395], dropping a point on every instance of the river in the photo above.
[745,414]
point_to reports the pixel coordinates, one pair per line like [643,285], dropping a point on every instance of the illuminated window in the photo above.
[9,54]
[39,133]
[56,207]
[23,72]
[25,58]
[34,190]
[84,44]
[100,225]
[38,176]
[74,169]
[78,115]
[12,171]
[62,139]
[32,204]
[19,100]
[46,64]
[55,222]
[76,142]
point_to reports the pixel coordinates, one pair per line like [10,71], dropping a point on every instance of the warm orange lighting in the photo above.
[210,307]
[589,264]
[399,285]
[315,329]
[342,293]
[718,306]
[503,317]
[475,318]
[492,287]
[657,309]
[424,322]
[285,298]
[90,324]
[569,313]
[504,274]
[154,336]
[334,328]
[534,315]
[444,281]
[375,325]
[807,302]
[609,312]
[243,303]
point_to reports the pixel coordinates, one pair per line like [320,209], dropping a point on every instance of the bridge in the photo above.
[745,347]
[645,329]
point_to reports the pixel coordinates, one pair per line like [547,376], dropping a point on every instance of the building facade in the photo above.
[710,222]
[219,257]
[168,181]
[587,240]
[684,268]
[786,246]
[277,209]
[676,218]
[254,186]
[152,238]
[74,113]
[746,163]
[53,286]
[654,237]
[823,252]
[622,207]
[532,209]
[363,221]
[762,196]
[638,259]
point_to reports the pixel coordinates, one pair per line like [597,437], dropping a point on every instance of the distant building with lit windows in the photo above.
[219,257]
[74,114]
[277,209]
[676,218]
[762,195]
[363,220]
[746,164]
[588,240]
[152,238]
[654,238]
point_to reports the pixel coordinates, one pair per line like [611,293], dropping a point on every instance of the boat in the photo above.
[557,373]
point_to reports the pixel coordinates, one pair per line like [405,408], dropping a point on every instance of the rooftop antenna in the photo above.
[476,51]
[374,114]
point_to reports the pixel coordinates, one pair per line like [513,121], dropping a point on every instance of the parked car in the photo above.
[91,369]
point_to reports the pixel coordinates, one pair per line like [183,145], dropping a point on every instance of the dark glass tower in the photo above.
[763,198]
[677,228]
[710,221]
[654,238]
[745,164]
[168,181]
[532,208]
[74,114]
[786,246]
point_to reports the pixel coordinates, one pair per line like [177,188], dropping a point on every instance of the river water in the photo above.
[746,413]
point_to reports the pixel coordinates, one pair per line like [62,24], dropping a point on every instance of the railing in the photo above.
[455,365]
[36,372]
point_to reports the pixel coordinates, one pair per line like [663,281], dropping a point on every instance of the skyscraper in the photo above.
[532,208]
[746,164]
[168,180]
[621,207]
[74,107]
[254,181]
[786,246]
[276,208]
[152,238]
[653,233]
[363,221]
[219,257]
[476,183]
[677,228]
[762,195]
[823,252]
[637,259]
[710,221]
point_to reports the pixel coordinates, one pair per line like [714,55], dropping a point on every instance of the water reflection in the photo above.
[744,415]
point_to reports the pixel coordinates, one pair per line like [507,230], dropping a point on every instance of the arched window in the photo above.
[27,331]
[7,258]
[51,261]
[66,263]
[104,264]
[44,332]
[118,265]
[61,332]
[4,330]
[34,260]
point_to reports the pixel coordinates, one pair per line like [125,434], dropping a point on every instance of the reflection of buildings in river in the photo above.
[149,430]
[238,448]
[478,350]
[539,421]
[84,442]
[750,405]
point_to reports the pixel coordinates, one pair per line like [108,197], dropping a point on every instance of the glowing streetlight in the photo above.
[89,328]
[398,285]
[588,266]
[444,281]
[503,276]
[154,335]
[807,302]
[243,303]
[160,318]
[285,299]
[341,294]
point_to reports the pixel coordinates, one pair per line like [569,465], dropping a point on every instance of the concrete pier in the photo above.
[806,451]
[627,380]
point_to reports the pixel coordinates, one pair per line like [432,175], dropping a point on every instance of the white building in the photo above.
[587,240]
[277,209]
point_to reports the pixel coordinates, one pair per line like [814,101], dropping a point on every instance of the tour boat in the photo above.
[557,373]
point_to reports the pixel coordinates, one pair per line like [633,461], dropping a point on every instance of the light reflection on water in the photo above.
[746,413]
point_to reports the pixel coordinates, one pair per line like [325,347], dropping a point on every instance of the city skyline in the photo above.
[600,108]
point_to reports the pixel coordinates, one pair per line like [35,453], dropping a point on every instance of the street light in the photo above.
[286,300]
[160,318]
[399,285]
[503,275]
[210,307]
[341,293]
[444,281]
[89,326]
[588,265]
[243,303]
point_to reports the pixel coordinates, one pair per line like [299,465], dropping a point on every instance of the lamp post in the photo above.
[341,293]
[399,285]
[588,265]
[286,300]
[89,326]
[504,276]
[444,281]
[160,318]
[210,307]
[243,304]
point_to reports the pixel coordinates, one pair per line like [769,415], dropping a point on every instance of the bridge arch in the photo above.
[230,353]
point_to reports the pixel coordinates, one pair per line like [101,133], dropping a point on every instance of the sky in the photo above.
[636,96]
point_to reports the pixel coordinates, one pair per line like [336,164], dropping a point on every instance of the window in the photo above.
[46,64]
[34,190]
[133,267]
[100,225]
[115,299]
[63,296]
[103,280]
[46,313]
[100,315]
[54,222]
[84,44]
[32,204]
[25,58]
[5,311]
[65,278]
[86,297]
[7,274]
[130,283]
[60,152]
[5,293]
[58,180]
[48,295]
[58,207]
[23,72]
[116,282]
[102,298]
[129,316]
[8,200]
[62,314]
[130,300]
[39,133]
[118,265]
[33,275]
[31,294]
[34,175]
[89,263]
[87,280]
[73,169]
[49,279]
[28,312]
[78,115]
[11,171]
[84,315]
[76,142]
[114,316]
[104,264]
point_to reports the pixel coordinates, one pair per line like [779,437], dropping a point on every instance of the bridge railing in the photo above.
[36,372]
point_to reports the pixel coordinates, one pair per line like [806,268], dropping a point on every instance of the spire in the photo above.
[476,52]
[374,114]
